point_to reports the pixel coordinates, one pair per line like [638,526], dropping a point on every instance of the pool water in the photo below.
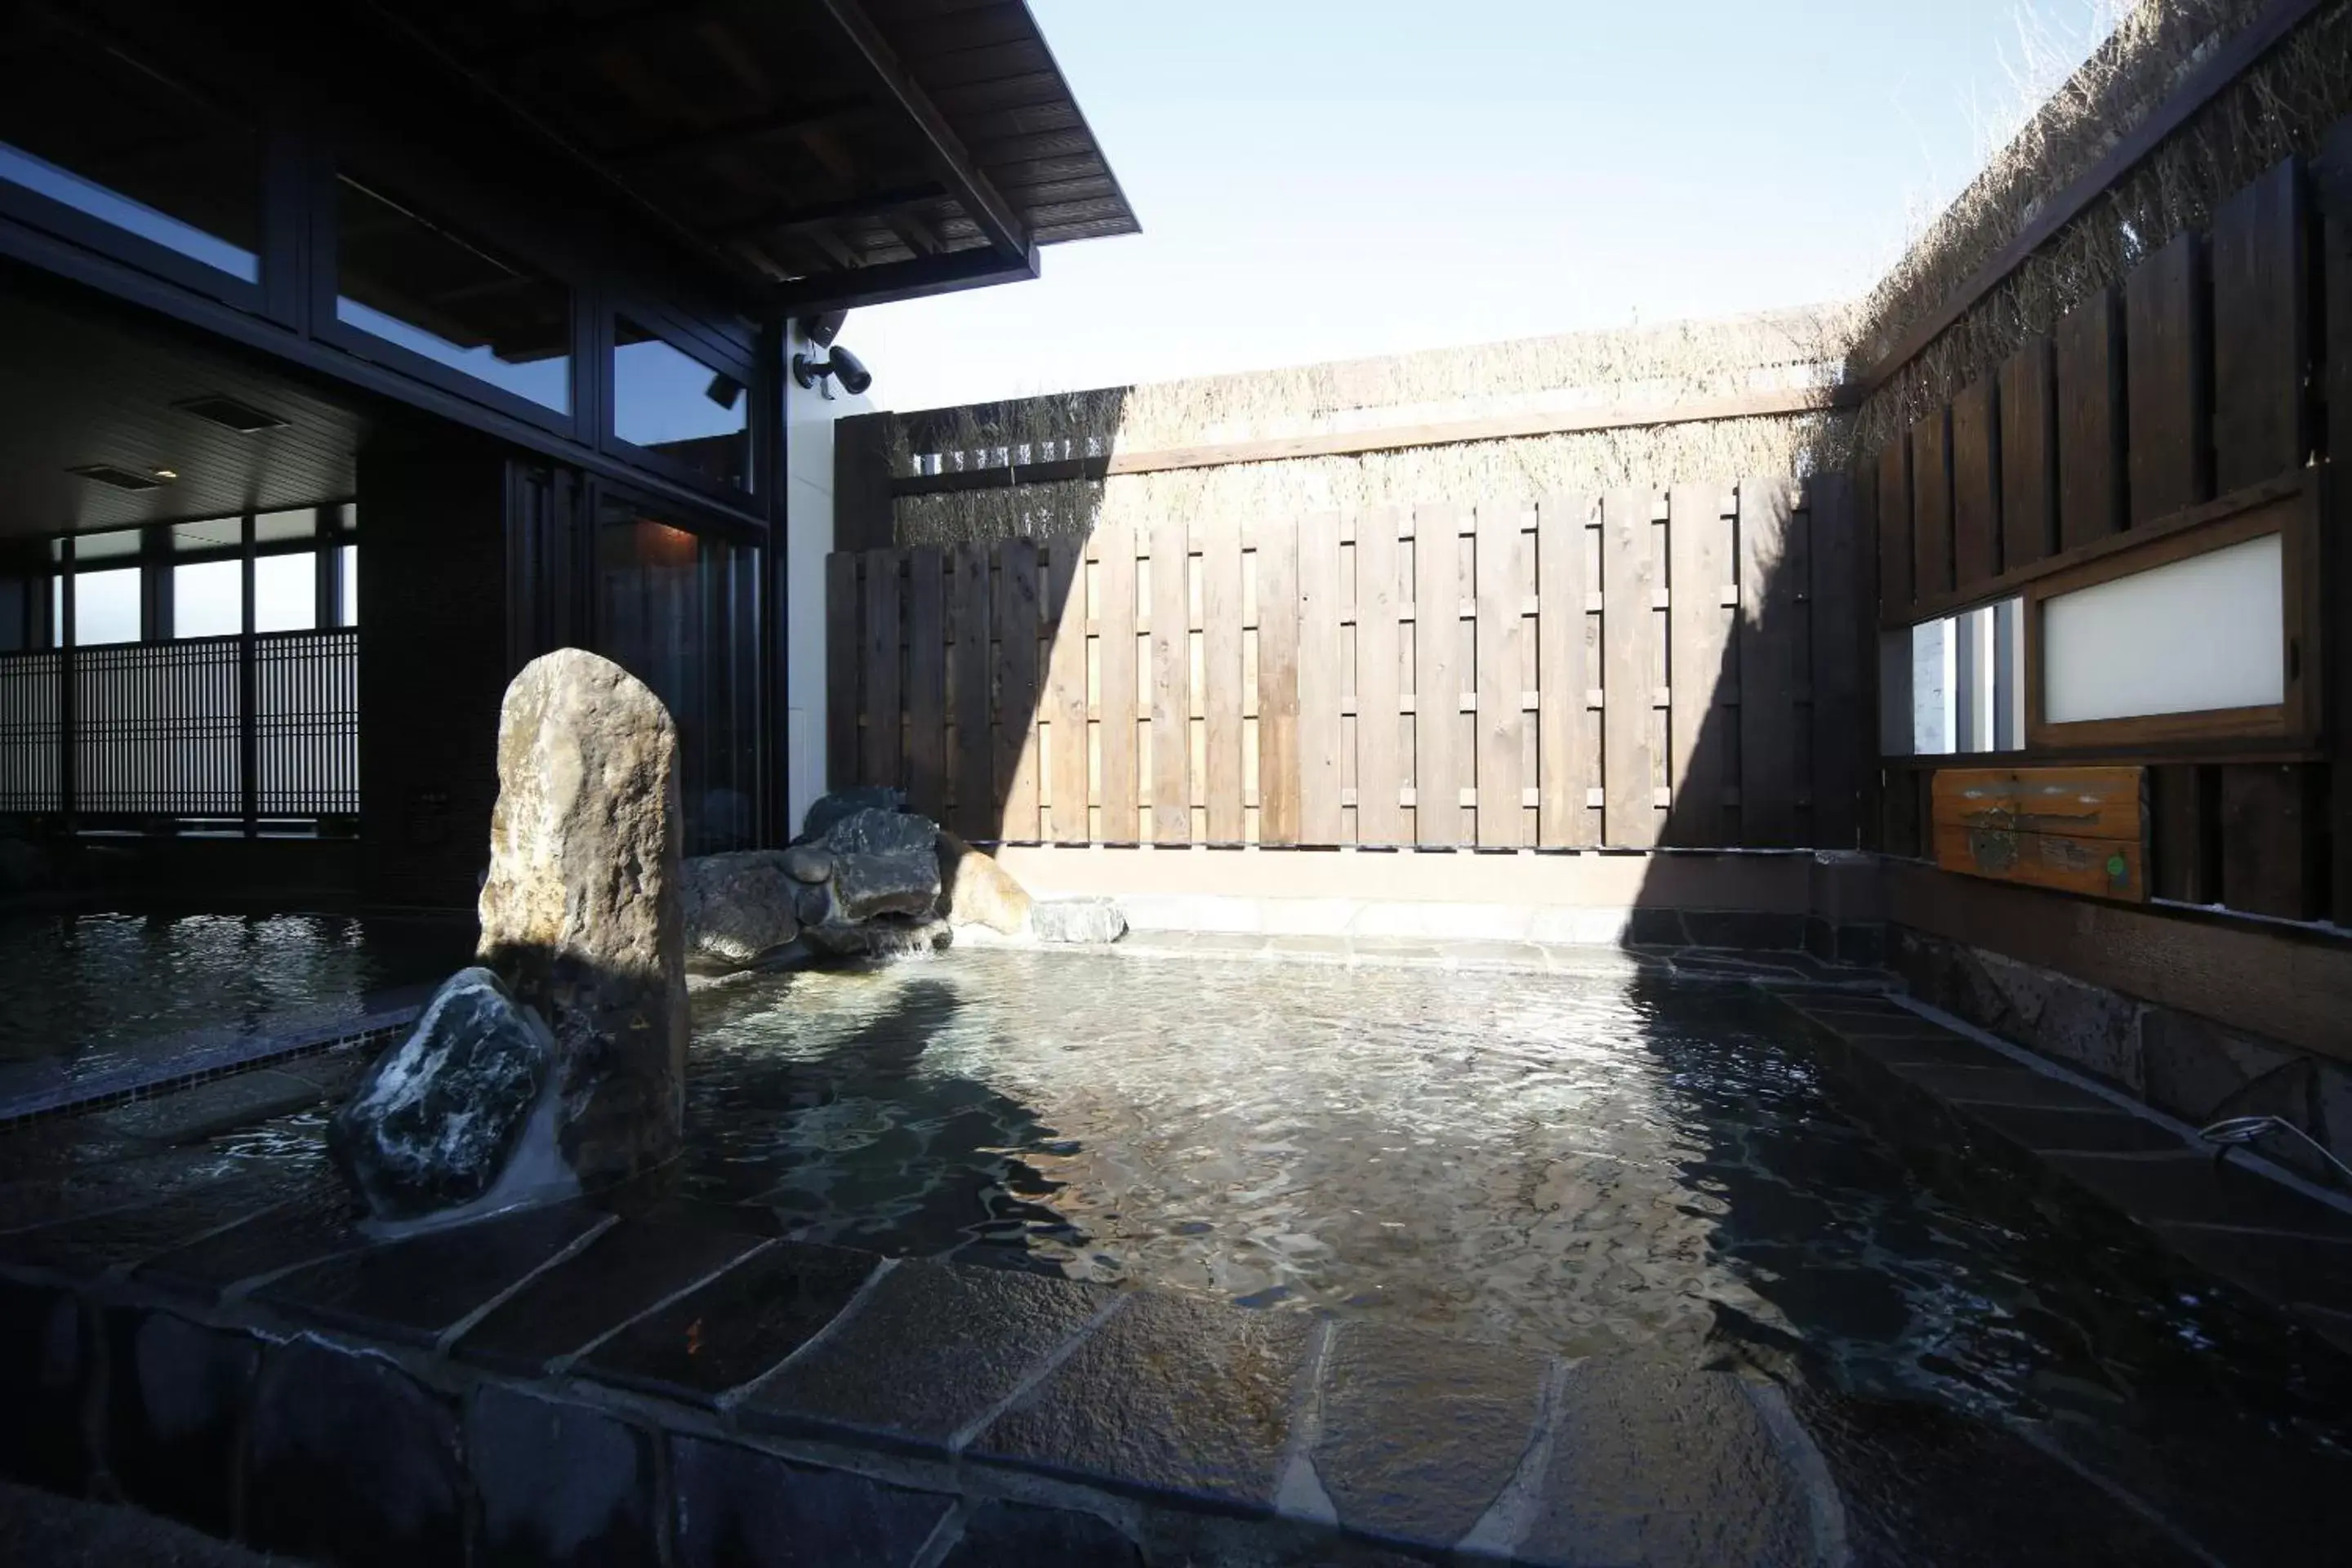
[98,990]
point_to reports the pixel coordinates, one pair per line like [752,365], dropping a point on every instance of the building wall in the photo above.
[808,536]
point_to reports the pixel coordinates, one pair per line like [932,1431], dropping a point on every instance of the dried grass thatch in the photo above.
[2282,105]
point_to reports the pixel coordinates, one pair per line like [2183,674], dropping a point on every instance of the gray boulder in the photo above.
[883,863]
[437,1117]
[976,890]
[581,913]
[1076,920]
[807,863]
[888,937]
[828,809]
[737,906]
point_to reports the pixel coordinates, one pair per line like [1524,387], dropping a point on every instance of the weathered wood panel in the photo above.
[1221,660]
[1016,689]
[1502,576]
[2090,381]
[2270,824]
[1629,660]
[1277,682]
[1380,765]
[1931,504]
[927,680]
[2184,828]
[2262,330]
[1976,485]
[1892,506]
[2027,456]
[1172,682]
[972,768]
[1115,681]
[2331,174]
[1319,678]
[1845,745]
[1701,574]
[1438,663]
[2166,327]
[1767,668]
[879,641]
[1066,693]
[1563,672]
[2079,802]
[844,666]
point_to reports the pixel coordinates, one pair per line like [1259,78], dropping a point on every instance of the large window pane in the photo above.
[671,403]
[347,588]
[408,280]
[217,533]
[208,599]
[106,605]
[286,593]
[680,612]
[85,127]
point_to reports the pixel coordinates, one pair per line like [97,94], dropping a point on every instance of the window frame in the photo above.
[694,346]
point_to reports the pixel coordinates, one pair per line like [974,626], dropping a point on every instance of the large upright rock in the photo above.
[581,913]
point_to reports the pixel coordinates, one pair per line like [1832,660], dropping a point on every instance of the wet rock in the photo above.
[883,863]
[435,1120]
[581,913]
[830,808]
[738,906]
[813,904]
[1076,920]
[807,863]
[976,890]
[888,937]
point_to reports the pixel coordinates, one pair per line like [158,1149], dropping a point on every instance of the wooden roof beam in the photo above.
[871,204]
[799,122]
[895,281]
[943,149]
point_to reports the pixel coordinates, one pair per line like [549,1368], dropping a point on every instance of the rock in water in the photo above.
[440,1113]
[979,891]
[807,863]
[738,906]
[1076,920]
[883,863]
[581,913]
[829,809]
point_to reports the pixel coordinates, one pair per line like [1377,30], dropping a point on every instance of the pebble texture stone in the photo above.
[738,1506]
[1172,1393]
[737,906]
[883,863]
[559,1482]
[437,1119]
[1076,920]
[979,891]
[581,911]
[352,1461]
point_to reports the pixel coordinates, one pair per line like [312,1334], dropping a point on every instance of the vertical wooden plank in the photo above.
[1767,668]
[1379,767]
[2166,330]
[1629,663]
[1318,679]
[1976,485]
[927,680]
[974,767]
[1066,691]
[2183,811]
[1501,599]
[1705,680]
[844,652]
[2089,368]
[1016,689]
[880,653]
[1843,745]
[1436,675]
[1563,673]
[2028,457]
[1115,680]
[2269,817]
[1277,682]
[1931,504]
[2262,330]
[2332,189]
[1220,649]
[1172,681]
[1893,510]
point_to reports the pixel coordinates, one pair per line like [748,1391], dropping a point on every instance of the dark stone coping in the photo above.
[1955,1097]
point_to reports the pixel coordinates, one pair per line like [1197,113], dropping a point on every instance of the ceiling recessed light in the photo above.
[227,412]
[165,473]
[119,479]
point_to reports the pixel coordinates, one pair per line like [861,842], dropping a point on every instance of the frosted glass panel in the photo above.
[2185,638]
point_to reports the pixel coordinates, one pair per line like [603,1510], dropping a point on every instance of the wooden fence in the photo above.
[1626,670]
[2206,374]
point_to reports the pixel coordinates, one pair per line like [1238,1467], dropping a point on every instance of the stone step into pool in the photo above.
[1164,1258]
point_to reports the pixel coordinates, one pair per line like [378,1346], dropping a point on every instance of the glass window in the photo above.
[286,593]
[347,588]
[680,612]
[406,279]
[669,402]
[208,599]
[106,605]
[276,526]
[219,533]
[2191,635]
[99,546]
[1965,680]
[83,125]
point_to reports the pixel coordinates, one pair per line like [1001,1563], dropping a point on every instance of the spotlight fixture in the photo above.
[822,330]
[840,365]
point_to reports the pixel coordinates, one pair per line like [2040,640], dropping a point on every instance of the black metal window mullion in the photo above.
[248,701]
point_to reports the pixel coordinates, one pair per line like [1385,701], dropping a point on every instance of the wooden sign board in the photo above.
[2080,830]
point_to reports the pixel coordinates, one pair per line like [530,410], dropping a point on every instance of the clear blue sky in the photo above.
[1319,179]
